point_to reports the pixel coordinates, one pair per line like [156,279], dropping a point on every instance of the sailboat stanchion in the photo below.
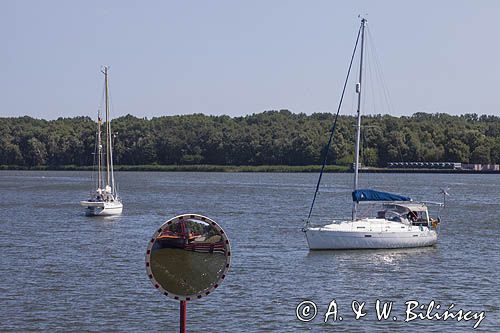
[182,319]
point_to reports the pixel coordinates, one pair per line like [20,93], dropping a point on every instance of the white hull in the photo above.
[369,234]
[102,208]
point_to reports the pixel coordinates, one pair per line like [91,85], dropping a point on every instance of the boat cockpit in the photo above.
[409,213]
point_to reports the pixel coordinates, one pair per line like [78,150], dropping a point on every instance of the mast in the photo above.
[358,125]
[99,151]
[108,130]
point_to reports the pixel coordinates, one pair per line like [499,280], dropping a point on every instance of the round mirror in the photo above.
[188,257]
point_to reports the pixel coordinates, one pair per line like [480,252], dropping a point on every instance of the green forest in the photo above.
[267,138]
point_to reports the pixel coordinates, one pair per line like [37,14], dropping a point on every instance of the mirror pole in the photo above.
[182,320]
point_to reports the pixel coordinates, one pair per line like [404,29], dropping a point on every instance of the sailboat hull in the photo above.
[100,208]
[329,238]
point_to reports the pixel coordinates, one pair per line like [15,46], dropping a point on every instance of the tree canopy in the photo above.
[267,138]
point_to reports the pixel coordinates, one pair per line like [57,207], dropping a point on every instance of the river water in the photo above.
[62,271]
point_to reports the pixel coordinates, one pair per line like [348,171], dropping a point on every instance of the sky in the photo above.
[242,57]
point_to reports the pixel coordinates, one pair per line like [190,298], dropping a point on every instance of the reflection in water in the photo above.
[184,272]
[370,252]
[376,256]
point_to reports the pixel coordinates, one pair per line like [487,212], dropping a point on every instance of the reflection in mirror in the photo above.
[188,257]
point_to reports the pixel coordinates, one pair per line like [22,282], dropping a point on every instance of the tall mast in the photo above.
[108,132]
[99,151]
[358,125]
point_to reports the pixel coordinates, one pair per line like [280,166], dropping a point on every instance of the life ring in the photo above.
[434,223]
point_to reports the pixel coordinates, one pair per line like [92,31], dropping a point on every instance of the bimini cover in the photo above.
[372,195]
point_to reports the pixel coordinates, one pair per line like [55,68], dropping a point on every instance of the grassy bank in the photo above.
[194,168]
[241,168]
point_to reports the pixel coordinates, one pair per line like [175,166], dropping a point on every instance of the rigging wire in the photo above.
[92,174]
[386,94]
[110,108]
[333,127]
[380,73]
[384,89]
[97,151]
[371,96]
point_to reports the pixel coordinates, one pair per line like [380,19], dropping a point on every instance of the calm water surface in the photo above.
[62,271]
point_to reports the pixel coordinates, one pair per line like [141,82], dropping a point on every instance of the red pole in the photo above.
[182,320]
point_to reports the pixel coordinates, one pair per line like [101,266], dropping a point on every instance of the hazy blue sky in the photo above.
[242,57]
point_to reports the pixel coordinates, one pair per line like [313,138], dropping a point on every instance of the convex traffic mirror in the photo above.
[188,257]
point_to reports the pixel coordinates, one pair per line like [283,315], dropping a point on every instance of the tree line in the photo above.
[267,138]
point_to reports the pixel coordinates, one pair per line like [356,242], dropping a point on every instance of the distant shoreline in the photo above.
[243,168]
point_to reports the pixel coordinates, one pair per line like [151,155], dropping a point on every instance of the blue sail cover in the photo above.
[372,195]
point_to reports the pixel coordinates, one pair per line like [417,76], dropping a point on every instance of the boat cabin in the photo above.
[411,213]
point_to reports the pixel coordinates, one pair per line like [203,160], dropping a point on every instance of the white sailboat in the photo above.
[104,199]
[399,223]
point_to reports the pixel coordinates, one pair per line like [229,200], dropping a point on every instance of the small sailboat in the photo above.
[104,199]
[399,223]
